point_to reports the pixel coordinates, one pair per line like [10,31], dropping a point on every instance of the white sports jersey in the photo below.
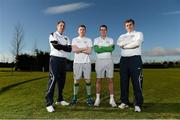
[105,43]
[132,43]
[82,42]
[61,39]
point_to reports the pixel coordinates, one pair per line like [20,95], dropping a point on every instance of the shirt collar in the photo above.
[81,37]
[103,38]
[131,32]
[59,33]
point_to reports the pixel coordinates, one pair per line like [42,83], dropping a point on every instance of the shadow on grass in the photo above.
[147,108]
[161,107]
[6,88]
[10,75]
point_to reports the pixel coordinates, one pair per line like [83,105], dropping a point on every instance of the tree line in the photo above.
[40,62]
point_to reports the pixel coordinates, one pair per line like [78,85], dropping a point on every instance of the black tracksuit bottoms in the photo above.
[57,73]
[131,68]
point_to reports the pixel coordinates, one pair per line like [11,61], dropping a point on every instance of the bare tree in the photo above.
[17,42]
[3,59]
[34,50]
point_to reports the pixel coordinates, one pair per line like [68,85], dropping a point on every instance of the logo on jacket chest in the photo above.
[63,40]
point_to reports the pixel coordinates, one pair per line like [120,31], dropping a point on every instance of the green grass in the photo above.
[22,96]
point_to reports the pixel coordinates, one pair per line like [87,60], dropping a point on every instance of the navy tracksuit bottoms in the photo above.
[131,68]
[57,73]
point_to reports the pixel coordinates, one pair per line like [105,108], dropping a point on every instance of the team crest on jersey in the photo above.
[78,41]
[65,38]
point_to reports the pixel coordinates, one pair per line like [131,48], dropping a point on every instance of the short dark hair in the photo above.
[129,20]
[105,26]
[82,26]
[61,21]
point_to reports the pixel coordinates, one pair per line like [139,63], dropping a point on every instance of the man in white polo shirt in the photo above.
[81,46]
[59,46]
[103,47]
[131,65]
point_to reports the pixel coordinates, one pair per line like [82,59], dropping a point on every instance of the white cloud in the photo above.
[172,13]
[66,8]
[6,57]
[159,51]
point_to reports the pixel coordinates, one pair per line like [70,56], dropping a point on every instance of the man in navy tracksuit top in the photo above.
[59,46]
[131,65]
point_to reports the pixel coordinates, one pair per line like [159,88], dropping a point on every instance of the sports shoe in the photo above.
[90,101]
[137,109]
[50,108]
[112,103]
[123,105]
[73,101]
[97,102]
[63,103]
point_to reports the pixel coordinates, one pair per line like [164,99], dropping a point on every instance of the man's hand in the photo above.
[87,50]
[99,46]
[79,50]
[122,46]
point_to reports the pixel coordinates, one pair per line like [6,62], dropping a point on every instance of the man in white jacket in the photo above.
[59,47]
[131,65]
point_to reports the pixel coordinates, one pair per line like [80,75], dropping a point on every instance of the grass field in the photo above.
[22,96]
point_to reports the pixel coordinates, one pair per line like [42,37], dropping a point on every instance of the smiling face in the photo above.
[129,26]
[60,27]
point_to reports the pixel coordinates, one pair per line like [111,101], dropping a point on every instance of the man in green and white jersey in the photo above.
[103,47]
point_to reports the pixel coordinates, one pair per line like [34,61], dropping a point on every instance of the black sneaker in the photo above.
[90,102]
[73,101]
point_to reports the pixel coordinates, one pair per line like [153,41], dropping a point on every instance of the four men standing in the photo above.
[130,65]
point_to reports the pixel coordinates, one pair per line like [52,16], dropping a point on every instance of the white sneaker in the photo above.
[112,103]
[63,103]
[97,102]
[122,106]
[137,109]
[50,108]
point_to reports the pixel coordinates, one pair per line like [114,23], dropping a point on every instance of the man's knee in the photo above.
[76,81]
[88,81]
